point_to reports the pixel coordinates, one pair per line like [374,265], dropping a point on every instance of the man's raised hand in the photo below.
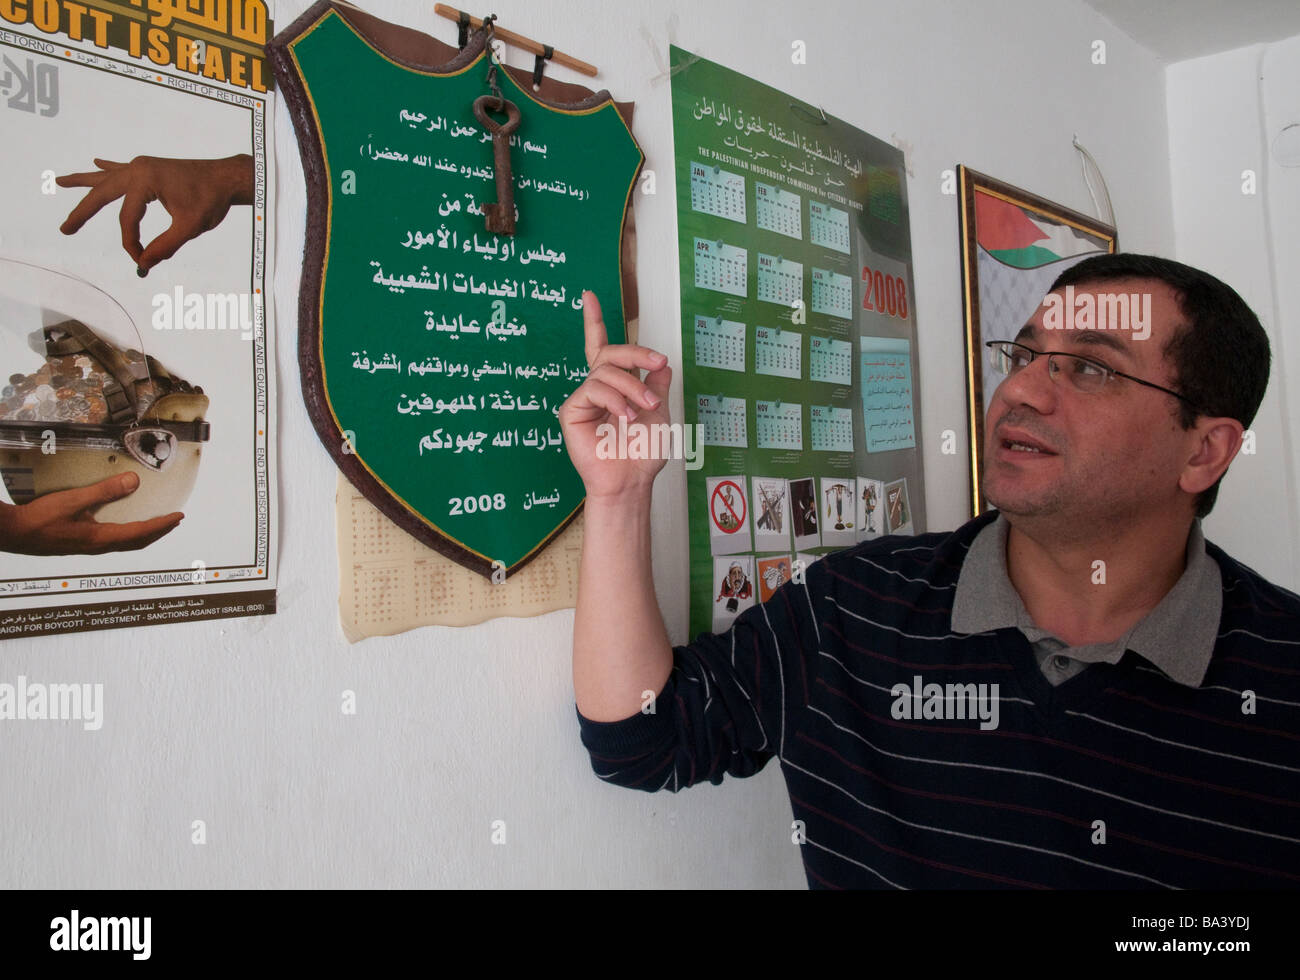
[613,389]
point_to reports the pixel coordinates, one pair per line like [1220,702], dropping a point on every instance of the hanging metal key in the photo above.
[501,215]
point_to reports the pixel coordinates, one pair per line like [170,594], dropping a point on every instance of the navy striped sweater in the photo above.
[1119,778]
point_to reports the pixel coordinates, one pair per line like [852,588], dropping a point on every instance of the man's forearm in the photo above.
[620,646]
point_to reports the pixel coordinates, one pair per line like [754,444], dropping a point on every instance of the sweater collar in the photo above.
[1177,636]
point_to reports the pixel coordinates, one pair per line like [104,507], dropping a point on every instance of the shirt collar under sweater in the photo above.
[1177,636]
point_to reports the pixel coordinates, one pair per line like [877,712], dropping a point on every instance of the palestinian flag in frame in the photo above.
[1013,246]
[434,354]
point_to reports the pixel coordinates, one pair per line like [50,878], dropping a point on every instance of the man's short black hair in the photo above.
[1220,355]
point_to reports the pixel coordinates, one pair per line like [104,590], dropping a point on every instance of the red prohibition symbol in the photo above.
[726,519]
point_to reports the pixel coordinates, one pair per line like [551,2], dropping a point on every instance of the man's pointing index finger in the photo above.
[593,324]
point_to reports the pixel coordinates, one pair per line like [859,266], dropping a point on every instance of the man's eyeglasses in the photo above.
[1083,373]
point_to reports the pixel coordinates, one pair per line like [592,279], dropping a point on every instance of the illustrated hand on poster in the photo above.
[198,194]
[61,523]
[611,389]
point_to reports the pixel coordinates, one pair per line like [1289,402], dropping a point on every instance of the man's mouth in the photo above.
[1019,442]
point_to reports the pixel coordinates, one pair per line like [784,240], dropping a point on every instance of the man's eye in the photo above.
[1088,368]
[1020,358]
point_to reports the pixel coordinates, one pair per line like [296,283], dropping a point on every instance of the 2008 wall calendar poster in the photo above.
[137,429]
[798,337]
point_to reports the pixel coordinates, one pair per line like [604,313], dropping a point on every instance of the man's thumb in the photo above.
[165,245]
[68,502]
[659,380]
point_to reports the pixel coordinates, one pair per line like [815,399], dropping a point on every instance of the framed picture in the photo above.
[1013,246]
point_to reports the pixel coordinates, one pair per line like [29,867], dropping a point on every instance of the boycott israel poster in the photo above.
[136,436]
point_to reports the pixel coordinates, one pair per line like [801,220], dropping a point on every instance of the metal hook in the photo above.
[493,60]
[819,119]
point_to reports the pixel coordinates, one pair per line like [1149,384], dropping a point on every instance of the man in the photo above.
[1073,691]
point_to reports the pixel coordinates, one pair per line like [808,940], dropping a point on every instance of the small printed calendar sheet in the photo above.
[832,294]
[830,360]
[780,425]
[719,343]
[717,192]
[778,210]
[390,583]
[828,227]
[780,280]
[832,429]
[724,420]
[778,352]
[722,267]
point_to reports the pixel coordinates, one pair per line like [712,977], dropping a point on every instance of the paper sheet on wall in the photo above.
[389,582]
[887,393]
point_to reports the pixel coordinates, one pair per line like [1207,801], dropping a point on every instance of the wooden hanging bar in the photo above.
[519,41]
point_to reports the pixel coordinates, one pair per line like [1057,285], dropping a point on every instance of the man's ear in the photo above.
[1217,442]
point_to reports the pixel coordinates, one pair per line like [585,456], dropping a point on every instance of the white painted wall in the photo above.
[238,722]
[1225,112]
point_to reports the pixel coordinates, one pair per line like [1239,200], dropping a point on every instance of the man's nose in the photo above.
[1032,385]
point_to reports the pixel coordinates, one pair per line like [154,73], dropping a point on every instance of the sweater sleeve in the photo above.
[726,705]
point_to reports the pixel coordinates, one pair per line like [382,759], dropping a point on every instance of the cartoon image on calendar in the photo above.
[803,507]
[898,511]
[838,512]
[870,501]
[733,589]
[771,501]
[772,574]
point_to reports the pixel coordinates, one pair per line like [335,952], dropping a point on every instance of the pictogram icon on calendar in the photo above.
[727,507]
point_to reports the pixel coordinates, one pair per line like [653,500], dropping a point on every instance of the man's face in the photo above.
[1113,454]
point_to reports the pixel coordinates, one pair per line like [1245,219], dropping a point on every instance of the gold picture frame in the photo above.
[1013,245]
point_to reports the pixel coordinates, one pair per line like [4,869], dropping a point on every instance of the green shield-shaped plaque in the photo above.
[435,355]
